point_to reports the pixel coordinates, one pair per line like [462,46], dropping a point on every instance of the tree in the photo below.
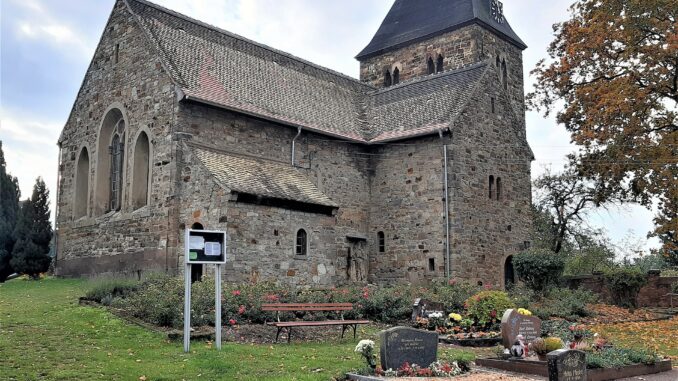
[9,208]
[562,202]
[614,65]
[33,234]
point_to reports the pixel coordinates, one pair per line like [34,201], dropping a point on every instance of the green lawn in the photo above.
[46,335]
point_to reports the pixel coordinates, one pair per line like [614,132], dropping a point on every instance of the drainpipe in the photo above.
[447,210]
[293,145]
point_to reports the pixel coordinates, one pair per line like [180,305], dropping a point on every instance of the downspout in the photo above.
[447,209]
[293,146]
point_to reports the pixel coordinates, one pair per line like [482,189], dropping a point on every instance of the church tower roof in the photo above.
[410,21]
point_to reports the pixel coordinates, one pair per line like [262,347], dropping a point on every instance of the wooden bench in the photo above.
[311,307]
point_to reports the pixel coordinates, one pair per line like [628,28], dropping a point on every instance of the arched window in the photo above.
[491,187]
[141,175]
[301,247]
[431,66]
[387,79]
[382,242]
[117,152]
[498,62]
[396,76]
[509,273]
[504,74]
[81,185]
[498,188]
[440,66]
[110,152]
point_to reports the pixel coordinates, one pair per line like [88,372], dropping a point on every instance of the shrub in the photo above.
[556,328]
[565,303]
[618,357]
[553,343]
[674,288]
[624,284]
[539,347]
[539,269]
[486,307]
[158,300]
[107,289]
[452,295]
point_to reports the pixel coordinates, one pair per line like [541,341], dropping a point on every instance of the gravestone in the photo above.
[514,324]
[422,308]
[402,345]
[567,365]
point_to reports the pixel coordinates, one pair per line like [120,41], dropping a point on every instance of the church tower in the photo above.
[425,37]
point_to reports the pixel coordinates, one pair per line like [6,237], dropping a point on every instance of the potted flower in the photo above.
[538,346]
[366,350]
[553,344]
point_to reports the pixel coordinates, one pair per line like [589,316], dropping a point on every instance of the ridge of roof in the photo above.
[252,42]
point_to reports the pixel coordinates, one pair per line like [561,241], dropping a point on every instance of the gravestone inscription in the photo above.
[402,345]
[514,324]
[567,365]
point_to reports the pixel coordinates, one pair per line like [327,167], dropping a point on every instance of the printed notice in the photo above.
[196,242]
[192,255]
[213,249]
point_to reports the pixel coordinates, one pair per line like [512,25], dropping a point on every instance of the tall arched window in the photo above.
[382,241]
[498,188]
[197,269]
[110,152]
[440,66]
[140,179]
[509,273]
[430,66]
[301,247]
[498,63]
[117,151]
[387,79]
[504,74]
[81,200]
[396,76]
[491,187]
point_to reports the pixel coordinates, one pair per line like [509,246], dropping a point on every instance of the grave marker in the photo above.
[567,365]
[514,324]
[402,345]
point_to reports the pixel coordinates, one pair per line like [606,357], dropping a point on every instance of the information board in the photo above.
[205,247]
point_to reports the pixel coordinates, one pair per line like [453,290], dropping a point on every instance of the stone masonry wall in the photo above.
[262,237]
[484,231]
[655,293]
[128,241]
[408,206]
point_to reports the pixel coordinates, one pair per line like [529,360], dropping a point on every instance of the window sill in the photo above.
[301,257]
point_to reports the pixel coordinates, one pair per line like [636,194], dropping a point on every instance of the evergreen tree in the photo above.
[9,208]
[33,234]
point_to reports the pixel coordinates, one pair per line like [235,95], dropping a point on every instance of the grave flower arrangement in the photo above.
[436,369]
[366,350]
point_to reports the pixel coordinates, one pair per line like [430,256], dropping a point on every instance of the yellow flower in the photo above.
[525,312]
[455,317]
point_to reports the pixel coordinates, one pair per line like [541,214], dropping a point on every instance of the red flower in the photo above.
[493,314]
[272,298]
[488,286]
[378,371]
[452,282]
[232,322]
[366,295]
[236,293]
[241,310]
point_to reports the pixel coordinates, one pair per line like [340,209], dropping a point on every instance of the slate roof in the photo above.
[414,20]
[261,177]
[219,68]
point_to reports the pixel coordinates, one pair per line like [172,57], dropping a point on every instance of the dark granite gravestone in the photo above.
[422,307]
[402,345]
[567,365]
[514,324]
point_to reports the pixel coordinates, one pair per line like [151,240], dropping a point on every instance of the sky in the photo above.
[46,47]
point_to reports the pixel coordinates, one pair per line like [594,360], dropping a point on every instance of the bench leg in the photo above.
[343,329]
[289,334]
[278,333]
[355,327]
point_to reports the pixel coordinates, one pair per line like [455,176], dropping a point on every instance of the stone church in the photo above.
[419,171]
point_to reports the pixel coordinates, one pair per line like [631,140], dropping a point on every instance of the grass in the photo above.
[46,335]
[659,336]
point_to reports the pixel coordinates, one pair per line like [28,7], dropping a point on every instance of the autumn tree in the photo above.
[9,207]
[614,69]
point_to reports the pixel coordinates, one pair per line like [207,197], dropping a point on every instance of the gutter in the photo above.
[447,209]
[293,146]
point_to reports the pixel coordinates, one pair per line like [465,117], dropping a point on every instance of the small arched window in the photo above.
[117,151]
[491,187]
[382,241]
[387,79]
[431,66]
[140,178]
[301,247]
[498,188]
[81,185]
[504,74]
[440,65]
[498,63]
[396,76]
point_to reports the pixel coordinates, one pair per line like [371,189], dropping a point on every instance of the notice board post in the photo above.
[203,247]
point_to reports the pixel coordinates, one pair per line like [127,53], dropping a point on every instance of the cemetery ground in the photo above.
[46,335]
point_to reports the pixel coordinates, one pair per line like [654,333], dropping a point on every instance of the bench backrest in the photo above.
[292,307]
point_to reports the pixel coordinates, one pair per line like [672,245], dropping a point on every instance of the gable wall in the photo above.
[127,241]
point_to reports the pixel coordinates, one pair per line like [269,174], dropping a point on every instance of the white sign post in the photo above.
[203,247]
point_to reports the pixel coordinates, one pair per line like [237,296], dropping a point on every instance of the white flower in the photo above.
[364,345]
[435,315]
